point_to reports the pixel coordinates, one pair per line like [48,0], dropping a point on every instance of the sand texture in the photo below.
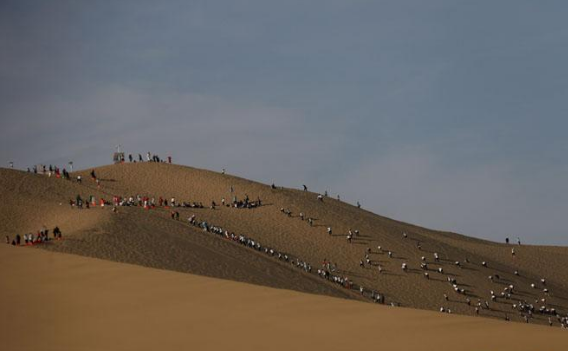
[64,302]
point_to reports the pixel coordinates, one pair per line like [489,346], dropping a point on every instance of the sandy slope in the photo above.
[54,301]
[151,239]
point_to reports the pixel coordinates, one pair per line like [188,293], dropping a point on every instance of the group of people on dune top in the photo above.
[50,171]
[149,158]
[42,236]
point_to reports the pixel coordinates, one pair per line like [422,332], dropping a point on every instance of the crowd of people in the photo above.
[149,158]
[248,242]
[50,171]
[29,239]
[525,309]
[327,271]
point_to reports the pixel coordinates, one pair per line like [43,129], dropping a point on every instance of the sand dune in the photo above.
[150,238]
[55,301]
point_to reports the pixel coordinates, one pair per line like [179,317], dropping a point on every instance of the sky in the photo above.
[447,114]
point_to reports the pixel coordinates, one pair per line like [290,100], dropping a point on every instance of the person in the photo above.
[358,204]
[519,241]
[18,239]
[223,171]
[338,198]
[329,230]
[130,157]
[56,233]
[93,175]
[11,164]
[513,252]
[506,240]
[79,179]
[305,187]
[169,159]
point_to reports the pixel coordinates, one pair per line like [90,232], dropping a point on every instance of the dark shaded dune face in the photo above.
[152,238]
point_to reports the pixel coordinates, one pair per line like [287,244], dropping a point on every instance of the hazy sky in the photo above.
[448,114]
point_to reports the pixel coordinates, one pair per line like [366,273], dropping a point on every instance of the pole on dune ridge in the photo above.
[118,156]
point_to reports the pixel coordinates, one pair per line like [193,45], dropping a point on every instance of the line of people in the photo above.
[297,262]
[29,239]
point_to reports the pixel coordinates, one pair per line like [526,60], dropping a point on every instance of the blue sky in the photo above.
[447,114]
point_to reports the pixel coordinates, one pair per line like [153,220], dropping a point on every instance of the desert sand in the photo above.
[65,302]
[162,303]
